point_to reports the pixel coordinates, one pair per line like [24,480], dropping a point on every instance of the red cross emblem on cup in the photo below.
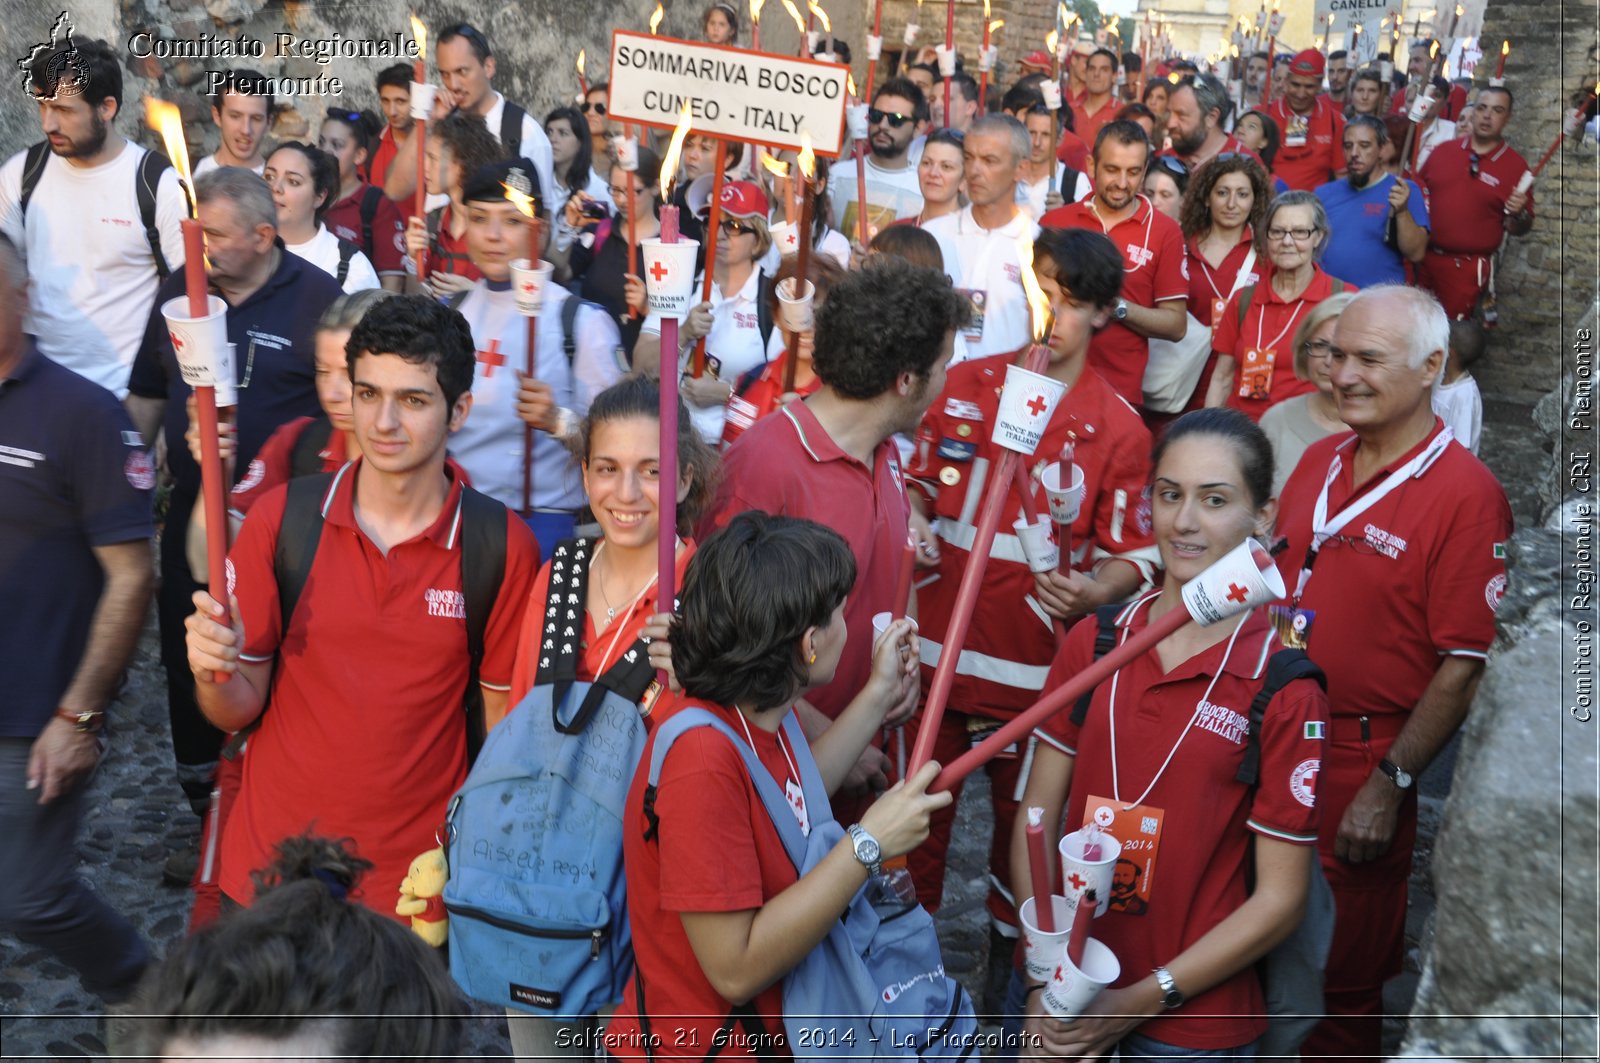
[1237,593]
[659,270]
[1077,881]
[177,344]
[1037,404]
[529,287]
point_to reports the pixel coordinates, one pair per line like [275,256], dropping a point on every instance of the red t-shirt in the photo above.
[388,248]
[364,736]
[447,253]
[1262,345]
[1421,567]
[1209,285]
[1318,157]
[382,156]
[1468,213]
[599,650]
[1073,151]
[1153,271]
[1205,836]
[788,465]
[1012,639]
[716,850]
[747,407]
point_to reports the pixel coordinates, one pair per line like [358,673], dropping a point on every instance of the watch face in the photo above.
[867,850]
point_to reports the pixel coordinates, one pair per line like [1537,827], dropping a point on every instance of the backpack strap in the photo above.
[347,252]
[32,169]
[1105,640]
[483,569]
[1245,295]
[305,459]
[369,211]
[569,328]
[151,167]
[511,129]
[454,300]
[1283,668]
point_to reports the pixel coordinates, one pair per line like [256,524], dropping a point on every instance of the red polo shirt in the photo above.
[1262,345]
[1420,567]
[1086,125]
[1209,285]
[1320,157]
[1153,267]
[382,156]
[1468,213]
[388,248]
[365,734]
[1012,639]
[761,396]
[1209,819]
[788,465]
[1073,151]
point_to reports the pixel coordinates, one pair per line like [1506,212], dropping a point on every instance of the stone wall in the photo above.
[1552,57]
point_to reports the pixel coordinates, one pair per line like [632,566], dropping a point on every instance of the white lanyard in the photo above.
[1261,321]
[805,826]
[1149,223]
[1238,278]
[1323,529]
[1116,788]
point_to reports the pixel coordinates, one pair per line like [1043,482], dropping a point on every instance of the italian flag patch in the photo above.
[1315,729]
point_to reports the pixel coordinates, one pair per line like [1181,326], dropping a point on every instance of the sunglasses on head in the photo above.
[894,118]
[598,107]
[1172,165]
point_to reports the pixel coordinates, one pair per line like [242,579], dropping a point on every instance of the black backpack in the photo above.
[348,251]
[369,211]
[151,167]
[511,129]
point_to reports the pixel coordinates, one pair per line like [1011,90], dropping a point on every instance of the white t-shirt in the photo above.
[209,163]
[1461,406]
[535,145]
[489,444]
[322,251]
[1031,197]
[891,194]
[92,276]
[983,264]
[733,347]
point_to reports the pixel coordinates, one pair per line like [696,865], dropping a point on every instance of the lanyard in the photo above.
[1323,529]
[1149,223]
[1238,278]
[1111,711]
[1261,321]
[794,771]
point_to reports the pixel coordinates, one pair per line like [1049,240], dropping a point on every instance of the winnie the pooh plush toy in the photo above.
[420,897]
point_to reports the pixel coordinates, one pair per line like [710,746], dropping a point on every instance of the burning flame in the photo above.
[1360,28]
[1460,11]
[656,16]
[822,16]
[419,33]
[1433,51]
[794,13]
[669,161]
[807,158]
[1038,302]
[521,200]
[166,120]
[1064,15]
[986,10]
[996,24]
[850,83]
[1505,47]
[776,167]
[1051,39]
[580,61]
[755,10]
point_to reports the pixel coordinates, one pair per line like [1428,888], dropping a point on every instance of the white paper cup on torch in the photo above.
[1041,952]
[813,38]
[910,36]
[1524,182]
[1494,83]
[874,48]
[529,284]
[669,276]
[1386,71]
[786,238]
[1038,545]
[1419,106]
[1275,26]
[205,357]
[1079,874]
[795,311]
[1026,402]
[947,60]
[855,116]
[987,58]
[1052,94]
[1233,584]
[1071,990]
[422,95]
[1065,502]
[1224,70]
[628,153]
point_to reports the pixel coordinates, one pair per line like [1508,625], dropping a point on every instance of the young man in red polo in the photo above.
[366,736]
[883,340]
[1012,639]
[1472,184]
[1310,129]
[1155,286]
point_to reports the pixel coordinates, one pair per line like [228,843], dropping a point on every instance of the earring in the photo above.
[813,659]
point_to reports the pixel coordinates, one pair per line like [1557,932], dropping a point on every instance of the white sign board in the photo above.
[741,95]
[1347,14]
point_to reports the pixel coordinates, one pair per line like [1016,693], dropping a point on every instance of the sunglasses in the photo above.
[894,118]
[1172,165]
[597,108]
[1472,163]
[730,227]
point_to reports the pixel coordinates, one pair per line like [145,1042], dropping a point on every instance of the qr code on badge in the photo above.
[1147,824]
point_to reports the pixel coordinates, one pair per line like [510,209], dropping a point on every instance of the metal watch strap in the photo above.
[1171,995]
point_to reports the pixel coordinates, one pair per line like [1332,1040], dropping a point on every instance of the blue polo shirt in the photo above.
[1357,220]
[274,333]
[74,475]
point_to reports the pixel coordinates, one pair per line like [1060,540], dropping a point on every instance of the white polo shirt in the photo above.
[983,265]
[489,444]
[322,251]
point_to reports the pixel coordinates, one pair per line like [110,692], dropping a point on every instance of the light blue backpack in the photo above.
[875,987]
[536,896]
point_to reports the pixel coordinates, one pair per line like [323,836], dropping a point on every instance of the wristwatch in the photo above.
[1121,312]
[1397,775]
[85,721]
[868,851]
[1171,995]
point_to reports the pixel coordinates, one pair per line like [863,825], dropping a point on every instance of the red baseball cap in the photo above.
[1039,61]
[744,199]
[1308,64]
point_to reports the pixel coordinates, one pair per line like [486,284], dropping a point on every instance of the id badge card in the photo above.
[1218,306]
[979,299]
[1139,830]
[1292,624]
[1255,375]
[1294,135]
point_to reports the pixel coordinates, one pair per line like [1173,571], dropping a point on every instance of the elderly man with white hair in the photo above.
[1395,556]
